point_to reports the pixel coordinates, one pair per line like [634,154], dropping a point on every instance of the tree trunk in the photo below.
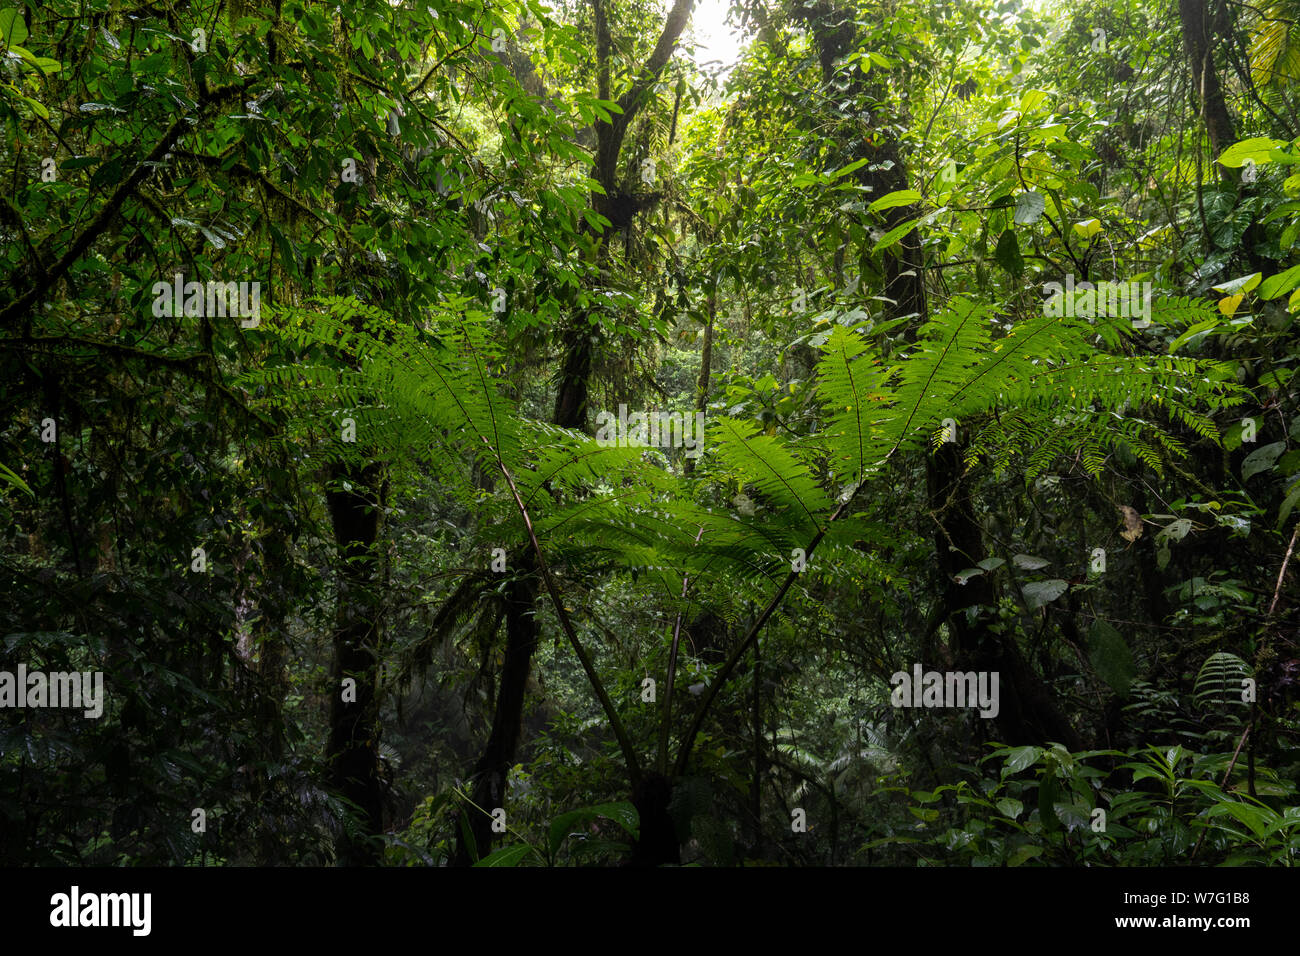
[507,722]
[353,748]
[1027,713]
[1198,42]
[575,374]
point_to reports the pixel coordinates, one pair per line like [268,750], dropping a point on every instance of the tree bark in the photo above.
[353,749]
[498,757]
[578,342]
[1198,42]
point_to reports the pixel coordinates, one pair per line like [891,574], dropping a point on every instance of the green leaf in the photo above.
[1262,459]
[1285,510]
[1008,255]
[1275,286]
[623,813]
[899,197]
[1029,208]
[11,478]
[12,27]
[1255,149]
[1031,99]
[1039,593]
[1023,853]
[1087,228]
[1021,757]
[890,238]
[849,168]
[1242,284]
[507,856]
[1254,817]
[1193,332]
[37,107]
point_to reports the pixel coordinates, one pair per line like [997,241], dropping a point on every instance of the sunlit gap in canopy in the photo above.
[717,43]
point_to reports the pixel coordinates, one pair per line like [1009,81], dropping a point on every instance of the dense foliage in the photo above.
[480,433]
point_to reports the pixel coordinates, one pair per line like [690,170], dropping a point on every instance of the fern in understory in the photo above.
[1043,390]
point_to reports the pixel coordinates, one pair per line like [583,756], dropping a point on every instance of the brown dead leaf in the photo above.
[1132,524]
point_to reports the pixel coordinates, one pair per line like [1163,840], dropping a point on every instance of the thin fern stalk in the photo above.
[624,742]
[688,742]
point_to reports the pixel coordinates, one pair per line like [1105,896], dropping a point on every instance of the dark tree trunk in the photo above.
[1198,42]
[575,374]
[507,722]
[1026,714]
[657,843]
[353,748]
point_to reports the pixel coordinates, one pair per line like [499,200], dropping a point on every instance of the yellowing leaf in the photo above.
[1087,228]
[1228,305]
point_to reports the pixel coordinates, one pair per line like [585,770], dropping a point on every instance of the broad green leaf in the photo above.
[899,197]
[1023,853]
[1021,757]
[12,27]
[1030,100]
[1039,593]
[623,813]
[1029,208]
[1242,284]
[507,856]
[894,235]
[1275,285]
[1193,332]
[1008,255]
[1261,459]
[1284,511]
[1228,305]
[1255,149]
[844,171]
[1087,228]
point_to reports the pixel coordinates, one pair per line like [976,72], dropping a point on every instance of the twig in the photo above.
[1277,591]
